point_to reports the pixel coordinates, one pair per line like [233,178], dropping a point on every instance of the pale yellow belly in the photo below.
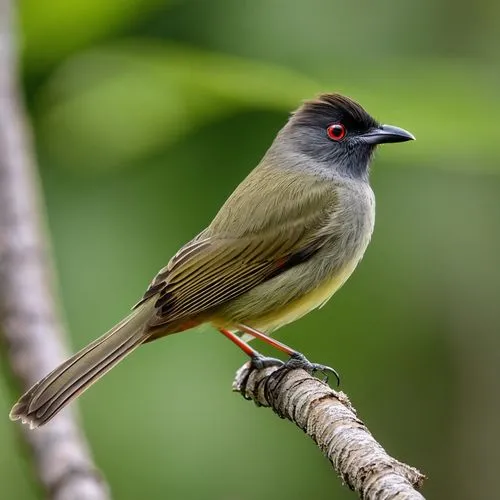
[302,306]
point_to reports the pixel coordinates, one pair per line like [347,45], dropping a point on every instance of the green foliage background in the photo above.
[147,113]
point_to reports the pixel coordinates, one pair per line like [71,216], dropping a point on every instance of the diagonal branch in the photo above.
[31,332]
[330,420]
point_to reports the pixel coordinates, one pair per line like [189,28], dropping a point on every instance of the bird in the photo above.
[282,244]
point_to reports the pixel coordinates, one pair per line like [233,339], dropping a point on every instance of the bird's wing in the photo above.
[210,272]
[223,262]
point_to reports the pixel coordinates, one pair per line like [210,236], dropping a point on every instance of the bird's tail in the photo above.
[51,394]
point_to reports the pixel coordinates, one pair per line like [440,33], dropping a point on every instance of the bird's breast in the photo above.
[347,235]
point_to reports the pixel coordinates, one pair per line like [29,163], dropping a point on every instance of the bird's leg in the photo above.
[297,359]
[268,340]
[257,360]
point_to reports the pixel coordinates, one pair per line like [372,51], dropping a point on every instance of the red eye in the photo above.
[336,132]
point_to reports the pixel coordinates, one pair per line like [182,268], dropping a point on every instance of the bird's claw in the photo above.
[298,360]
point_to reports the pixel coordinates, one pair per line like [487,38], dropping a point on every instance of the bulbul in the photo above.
[282,244]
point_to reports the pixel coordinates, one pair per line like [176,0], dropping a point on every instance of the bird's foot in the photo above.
[258,362]
[298,360]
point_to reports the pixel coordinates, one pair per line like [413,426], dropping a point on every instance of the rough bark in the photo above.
[328,417]
[31,332]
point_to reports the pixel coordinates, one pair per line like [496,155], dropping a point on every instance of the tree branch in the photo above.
[330,420]
[31,330]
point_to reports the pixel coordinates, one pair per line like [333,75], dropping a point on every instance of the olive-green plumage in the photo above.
[287,238]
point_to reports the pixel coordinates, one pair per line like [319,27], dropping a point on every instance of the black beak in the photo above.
[387,133]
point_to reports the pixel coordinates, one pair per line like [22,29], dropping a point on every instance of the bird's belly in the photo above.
[306,303]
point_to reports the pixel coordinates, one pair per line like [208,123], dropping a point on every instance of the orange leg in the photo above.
[297,360]
[240,343]
[257,360]
[268,340]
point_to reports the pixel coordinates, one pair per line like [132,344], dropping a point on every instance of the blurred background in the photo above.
[147,113]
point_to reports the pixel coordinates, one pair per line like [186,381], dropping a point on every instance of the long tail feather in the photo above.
[51,394]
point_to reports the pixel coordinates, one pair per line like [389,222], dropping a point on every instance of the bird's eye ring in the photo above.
[336,131]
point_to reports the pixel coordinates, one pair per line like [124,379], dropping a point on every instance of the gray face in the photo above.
[337,134]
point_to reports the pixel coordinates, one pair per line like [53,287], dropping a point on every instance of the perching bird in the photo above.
[282,244]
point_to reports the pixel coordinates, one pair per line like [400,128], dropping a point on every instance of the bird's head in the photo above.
[336,133]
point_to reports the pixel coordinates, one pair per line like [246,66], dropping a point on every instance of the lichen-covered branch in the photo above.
[31,333]
[331,421]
